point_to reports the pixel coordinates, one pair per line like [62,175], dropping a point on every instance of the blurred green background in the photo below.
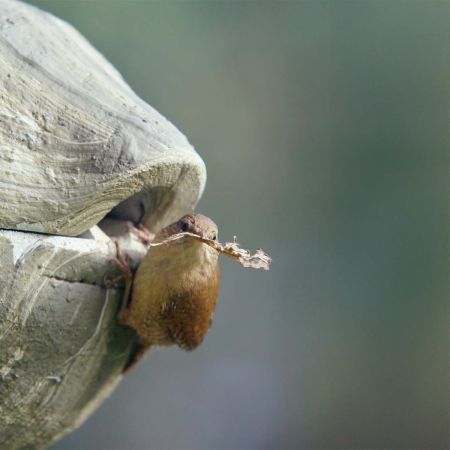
[324,127]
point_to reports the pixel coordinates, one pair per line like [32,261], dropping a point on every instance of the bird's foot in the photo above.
[122,261]
[142,233]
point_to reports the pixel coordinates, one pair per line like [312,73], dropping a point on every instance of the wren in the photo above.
[175,288]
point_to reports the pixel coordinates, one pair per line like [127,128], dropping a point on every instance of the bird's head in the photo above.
[193,223]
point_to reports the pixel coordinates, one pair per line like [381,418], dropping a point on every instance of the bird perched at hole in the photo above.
[175,288]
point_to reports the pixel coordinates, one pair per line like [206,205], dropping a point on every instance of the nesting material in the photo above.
[259,260]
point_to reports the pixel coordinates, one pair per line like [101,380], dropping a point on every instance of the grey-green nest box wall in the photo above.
[76,144]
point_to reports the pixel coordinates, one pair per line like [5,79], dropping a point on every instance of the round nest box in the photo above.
[76,145]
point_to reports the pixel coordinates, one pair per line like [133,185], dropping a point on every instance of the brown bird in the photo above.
[175,289]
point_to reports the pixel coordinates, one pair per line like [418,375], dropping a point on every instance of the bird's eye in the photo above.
[184,226]
[214,237]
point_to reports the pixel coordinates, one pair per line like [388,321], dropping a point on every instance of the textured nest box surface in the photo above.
[76,144]
[75,140]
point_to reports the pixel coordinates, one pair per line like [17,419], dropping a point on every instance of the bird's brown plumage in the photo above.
[175,288]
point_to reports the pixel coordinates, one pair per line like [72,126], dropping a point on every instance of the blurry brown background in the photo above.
[323,125]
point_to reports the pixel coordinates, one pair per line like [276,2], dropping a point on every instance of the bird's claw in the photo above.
[142,233]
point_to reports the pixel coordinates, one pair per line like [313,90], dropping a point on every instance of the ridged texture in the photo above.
[75,141]
[61,348]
